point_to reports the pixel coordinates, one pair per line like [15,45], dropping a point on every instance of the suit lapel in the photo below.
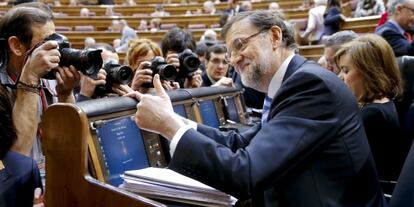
[293,66]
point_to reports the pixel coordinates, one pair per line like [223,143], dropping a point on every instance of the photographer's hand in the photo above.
[142,75]
[224,81]
[41,61]
[67,79]
[88,84]
[195,81]
[155,113]
[122,89]
[173,59]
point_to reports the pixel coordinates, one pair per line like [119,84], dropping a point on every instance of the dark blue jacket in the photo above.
[313,150]
[332,21]
[18,180]
[398,42]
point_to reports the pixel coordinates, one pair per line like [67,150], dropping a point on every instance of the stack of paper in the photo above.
[161,183]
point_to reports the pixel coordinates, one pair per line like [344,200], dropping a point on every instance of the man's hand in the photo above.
[40,62]
[224,81]
[142,76]
[67,79]
[173,59]
[195,81]
[88,84]
[38,198]
[122,89]
[155,113]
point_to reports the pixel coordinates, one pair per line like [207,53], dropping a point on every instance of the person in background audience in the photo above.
[143,25]
[115,26]
[201,49]
[127,34]
[247,5]
[366,8]
[209,7]
[315,27]
[217,67]
[398,29]
[73,2]
[4,2]
[89,41]
[140,53]
[233,7]
[159,11]
[209,37]
[332,17]
[155,24]
[116,43]
[274,7]
[105,2]
[174,42]
[369,69]
[129,3]
[84,12]
[332,44]
[309,150]
[109,11]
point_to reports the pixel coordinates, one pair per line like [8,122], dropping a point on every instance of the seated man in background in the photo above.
[216,67]
[397,30]
[332,44]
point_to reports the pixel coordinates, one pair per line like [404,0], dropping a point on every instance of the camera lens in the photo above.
[192,63]
[167,72]
[124,75]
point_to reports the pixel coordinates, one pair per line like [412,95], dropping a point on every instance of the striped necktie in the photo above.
[266,107]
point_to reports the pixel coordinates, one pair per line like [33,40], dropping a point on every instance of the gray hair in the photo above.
[340,38]
[392,5]
[263,20]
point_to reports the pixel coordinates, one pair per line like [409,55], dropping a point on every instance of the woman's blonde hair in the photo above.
[374,58]
[139,48]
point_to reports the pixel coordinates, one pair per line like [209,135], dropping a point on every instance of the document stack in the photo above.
[165,184]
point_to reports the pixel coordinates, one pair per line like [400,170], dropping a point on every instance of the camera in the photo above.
[189,63]
[161,67]
[89,61]
[115,74]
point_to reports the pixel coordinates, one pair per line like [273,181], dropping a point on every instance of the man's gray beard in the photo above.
[254,80]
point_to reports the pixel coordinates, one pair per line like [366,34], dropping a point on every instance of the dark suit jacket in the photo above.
[206,80]
[18,180]
[398,42]
[332,21]
[312,152]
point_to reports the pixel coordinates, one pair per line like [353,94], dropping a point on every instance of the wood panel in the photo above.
[361,24]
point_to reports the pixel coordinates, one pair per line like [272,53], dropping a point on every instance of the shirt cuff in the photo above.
[176,138]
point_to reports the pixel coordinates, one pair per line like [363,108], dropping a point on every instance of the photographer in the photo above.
[23,30]
[176,45]
[140,54]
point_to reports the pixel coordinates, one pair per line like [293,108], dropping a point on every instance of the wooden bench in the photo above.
[99,10]
[360,24]
[102,23]
[77,38]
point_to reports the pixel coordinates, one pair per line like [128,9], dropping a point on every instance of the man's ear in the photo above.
[276,36]
[16,46]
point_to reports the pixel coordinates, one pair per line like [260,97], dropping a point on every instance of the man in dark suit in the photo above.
[309,150]
[397,30]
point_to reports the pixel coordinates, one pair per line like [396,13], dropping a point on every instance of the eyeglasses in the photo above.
[217,61]
[240,44]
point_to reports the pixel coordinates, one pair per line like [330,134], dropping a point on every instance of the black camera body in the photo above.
[189,63]
[161,67]
[115,74]
[88,61]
